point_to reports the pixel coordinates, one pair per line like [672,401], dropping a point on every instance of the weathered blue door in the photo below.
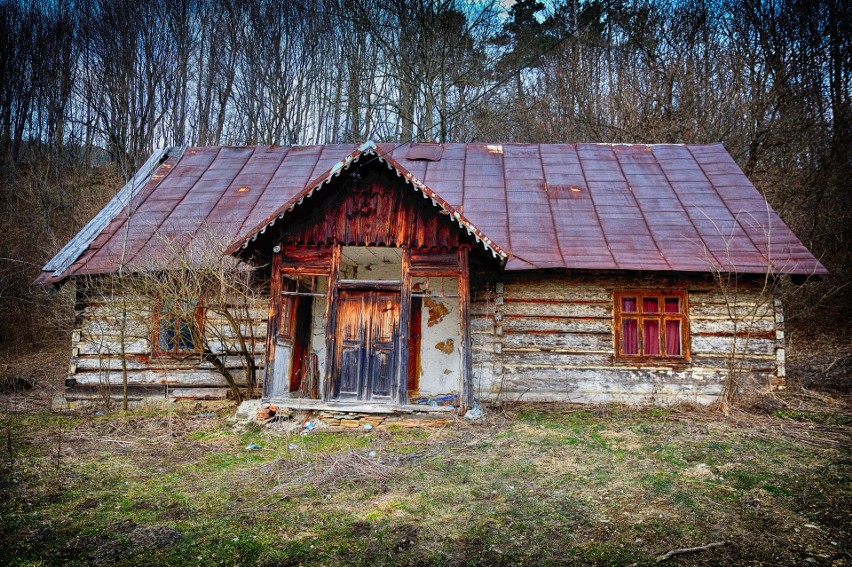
[366,333]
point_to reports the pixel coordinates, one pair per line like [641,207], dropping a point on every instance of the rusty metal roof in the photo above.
[575,206]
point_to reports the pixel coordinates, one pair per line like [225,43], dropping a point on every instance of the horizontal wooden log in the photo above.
[574,342]
[558,360]
[761,325]
[614,374]
[656,399]
[522,324]
[725,312]
[567,387]
[84,363]
[87,345]
[556,291]
[186,378]
[743,363]
[702,344]
[557,309]
[198,393]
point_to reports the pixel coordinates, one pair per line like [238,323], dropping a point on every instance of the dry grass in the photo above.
[535,484]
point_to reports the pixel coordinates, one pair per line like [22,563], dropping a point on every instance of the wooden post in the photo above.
[331,322]
[464,321]
[401,348]
[272,322]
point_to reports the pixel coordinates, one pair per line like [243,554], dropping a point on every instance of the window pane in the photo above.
[628,304]
[672,305]
[673,341]
[630,336]
[651,334]
[651,304]
[166,339]
[185,342]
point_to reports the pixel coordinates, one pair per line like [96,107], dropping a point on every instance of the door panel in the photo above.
[351,345]
[366,335]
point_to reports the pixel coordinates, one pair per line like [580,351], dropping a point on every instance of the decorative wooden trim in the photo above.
[661,316]
[380,285]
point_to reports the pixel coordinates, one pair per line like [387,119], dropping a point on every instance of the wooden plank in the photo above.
[557,309]
[558,360]
[327,386]
[762,325]
[198,393]
[158,363]
[186,378]
[132,346]
[724,345]
[523,324]
[575,342]
[401,347]
[555,291]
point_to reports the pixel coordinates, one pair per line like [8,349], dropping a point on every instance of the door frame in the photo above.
[324,261]
[369,297]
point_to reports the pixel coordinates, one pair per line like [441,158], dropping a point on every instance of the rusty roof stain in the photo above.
[665,207]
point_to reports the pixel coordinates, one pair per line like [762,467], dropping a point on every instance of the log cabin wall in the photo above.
[538,337]
[95,370]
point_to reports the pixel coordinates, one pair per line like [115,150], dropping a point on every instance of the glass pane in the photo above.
[673,340]
[651,304]
[672,305]
[628,304]
[185,342]
[166,340]
[630,336]
[651,335]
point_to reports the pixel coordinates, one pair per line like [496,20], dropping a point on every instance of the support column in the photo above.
[401,347]
[327,386]
[272,322]
[464,321]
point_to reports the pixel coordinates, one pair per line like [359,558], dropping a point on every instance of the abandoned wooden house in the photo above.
[443,273]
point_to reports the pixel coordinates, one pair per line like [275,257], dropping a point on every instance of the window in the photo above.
[177,326]
[651,326]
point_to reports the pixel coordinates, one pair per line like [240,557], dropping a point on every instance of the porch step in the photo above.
[356,407]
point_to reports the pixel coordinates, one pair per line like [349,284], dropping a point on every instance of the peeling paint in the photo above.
[437,311]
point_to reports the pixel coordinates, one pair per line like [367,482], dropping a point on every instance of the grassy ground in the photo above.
[529,485]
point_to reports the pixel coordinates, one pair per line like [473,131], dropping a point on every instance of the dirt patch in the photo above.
[98,549]
[155,536]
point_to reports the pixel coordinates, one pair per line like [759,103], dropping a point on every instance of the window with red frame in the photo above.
[651,326]
[177,326]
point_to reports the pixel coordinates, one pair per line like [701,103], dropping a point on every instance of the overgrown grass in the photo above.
[536,485]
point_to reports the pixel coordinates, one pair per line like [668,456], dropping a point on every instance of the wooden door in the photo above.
[367,325]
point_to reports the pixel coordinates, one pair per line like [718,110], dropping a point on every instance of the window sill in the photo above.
[678,363]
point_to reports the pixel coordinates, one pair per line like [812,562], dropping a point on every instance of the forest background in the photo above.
[88,88]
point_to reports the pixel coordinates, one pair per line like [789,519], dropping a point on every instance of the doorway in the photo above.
[367,330]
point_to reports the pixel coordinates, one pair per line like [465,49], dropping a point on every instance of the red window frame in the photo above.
[634,321]
[178,325]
